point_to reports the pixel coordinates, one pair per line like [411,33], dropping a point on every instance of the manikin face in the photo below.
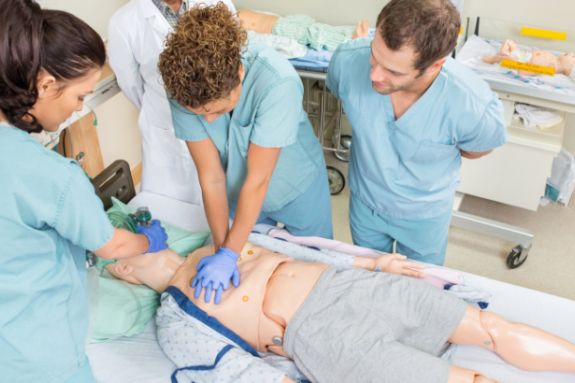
[150,269]
[214,109]
[57,100]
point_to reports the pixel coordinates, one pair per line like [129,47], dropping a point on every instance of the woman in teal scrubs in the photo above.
[240,111]
[49,213]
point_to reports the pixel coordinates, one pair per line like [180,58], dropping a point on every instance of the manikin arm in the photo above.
[390,263]
[393,263]
[508,50]
[257,21]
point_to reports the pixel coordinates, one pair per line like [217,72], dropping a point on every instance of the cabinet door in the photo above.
[514,174]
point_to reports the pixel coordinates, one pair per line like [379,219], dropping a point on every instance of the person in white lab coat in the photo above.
[135,40]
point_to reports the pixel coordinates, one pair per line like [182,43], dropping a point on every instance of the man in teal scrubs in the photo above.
[240,111]
[414,113]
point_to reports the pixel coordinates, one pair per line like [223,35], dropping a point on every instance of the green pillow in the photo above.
[118,308]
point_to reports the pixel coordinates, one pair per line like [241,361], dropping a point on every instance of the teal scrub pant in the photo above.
[307,215]
[423,240]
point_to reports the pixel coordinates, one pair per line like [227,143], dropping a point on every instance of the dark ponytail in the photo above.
[33,39]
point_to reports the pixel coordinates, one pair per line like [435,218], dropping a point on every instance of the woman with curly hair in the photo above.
[49,61]
[240,111]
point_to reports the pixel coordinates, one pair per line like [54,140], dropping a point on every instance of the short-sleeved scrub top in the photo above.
[408,168]
[269,113]
[49,217]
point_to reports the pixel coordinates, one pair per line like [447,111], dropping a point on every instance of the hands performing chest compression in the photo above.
[215,272]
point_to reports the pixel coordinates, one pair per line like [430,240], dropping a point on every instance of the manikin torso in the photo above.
[272,288]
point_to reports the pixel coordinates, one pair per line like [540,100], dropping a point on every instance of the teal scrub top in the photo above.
[269,113]
[49,216]
[409,168]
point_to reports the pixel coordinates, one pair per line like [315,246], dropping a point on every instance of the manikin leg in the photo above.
[520,345]
[463,375]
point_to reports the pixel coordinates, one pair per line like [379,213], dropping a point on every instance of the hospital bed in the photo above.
[140,359]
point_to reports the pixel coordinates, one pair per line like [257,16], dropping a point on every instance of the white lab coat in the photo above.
[135,40]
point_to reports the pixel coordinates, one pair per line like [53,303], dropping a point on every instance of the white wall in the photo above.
[553,14]
[94,12]
[118,131]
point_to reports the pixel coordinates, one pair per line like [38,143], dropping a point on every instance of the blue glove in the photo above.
[156,235]
[215,272]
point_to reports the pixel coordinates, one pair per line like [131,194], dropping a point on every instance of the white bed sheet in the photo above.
[557,88]
[140,359]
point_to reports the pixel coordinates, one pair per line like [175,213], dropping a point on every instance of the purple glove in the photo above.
[215,272]
[156,235]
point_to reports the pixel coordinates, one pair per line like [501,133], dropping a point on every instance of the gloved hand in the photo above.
[215,272]
[156,235]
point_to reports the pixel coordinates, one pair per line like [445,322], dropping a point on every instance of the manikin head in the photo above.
[201,65]
[49,61]
[412,41]
[151,269]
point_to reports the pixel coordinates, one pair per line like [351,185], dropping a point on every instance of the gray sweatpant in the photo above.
[360,326]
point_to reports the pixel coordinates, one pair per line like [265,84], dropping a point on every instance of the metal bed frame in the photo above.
[326,117]
[518,254]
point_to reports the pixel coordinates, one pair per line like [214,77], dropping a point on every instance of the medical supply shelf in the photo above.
[516,173]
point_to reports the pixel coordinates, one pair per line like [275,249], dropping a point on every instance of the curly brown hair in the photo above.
[202,58]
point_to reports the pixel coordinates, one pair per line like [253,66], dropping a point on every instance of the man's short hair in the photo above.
[202,58]
[431,27]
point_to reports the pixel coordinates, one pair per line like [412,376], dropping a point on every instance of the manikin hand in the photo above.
[398,264]
[156,235]
[215,272]
[507,50]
